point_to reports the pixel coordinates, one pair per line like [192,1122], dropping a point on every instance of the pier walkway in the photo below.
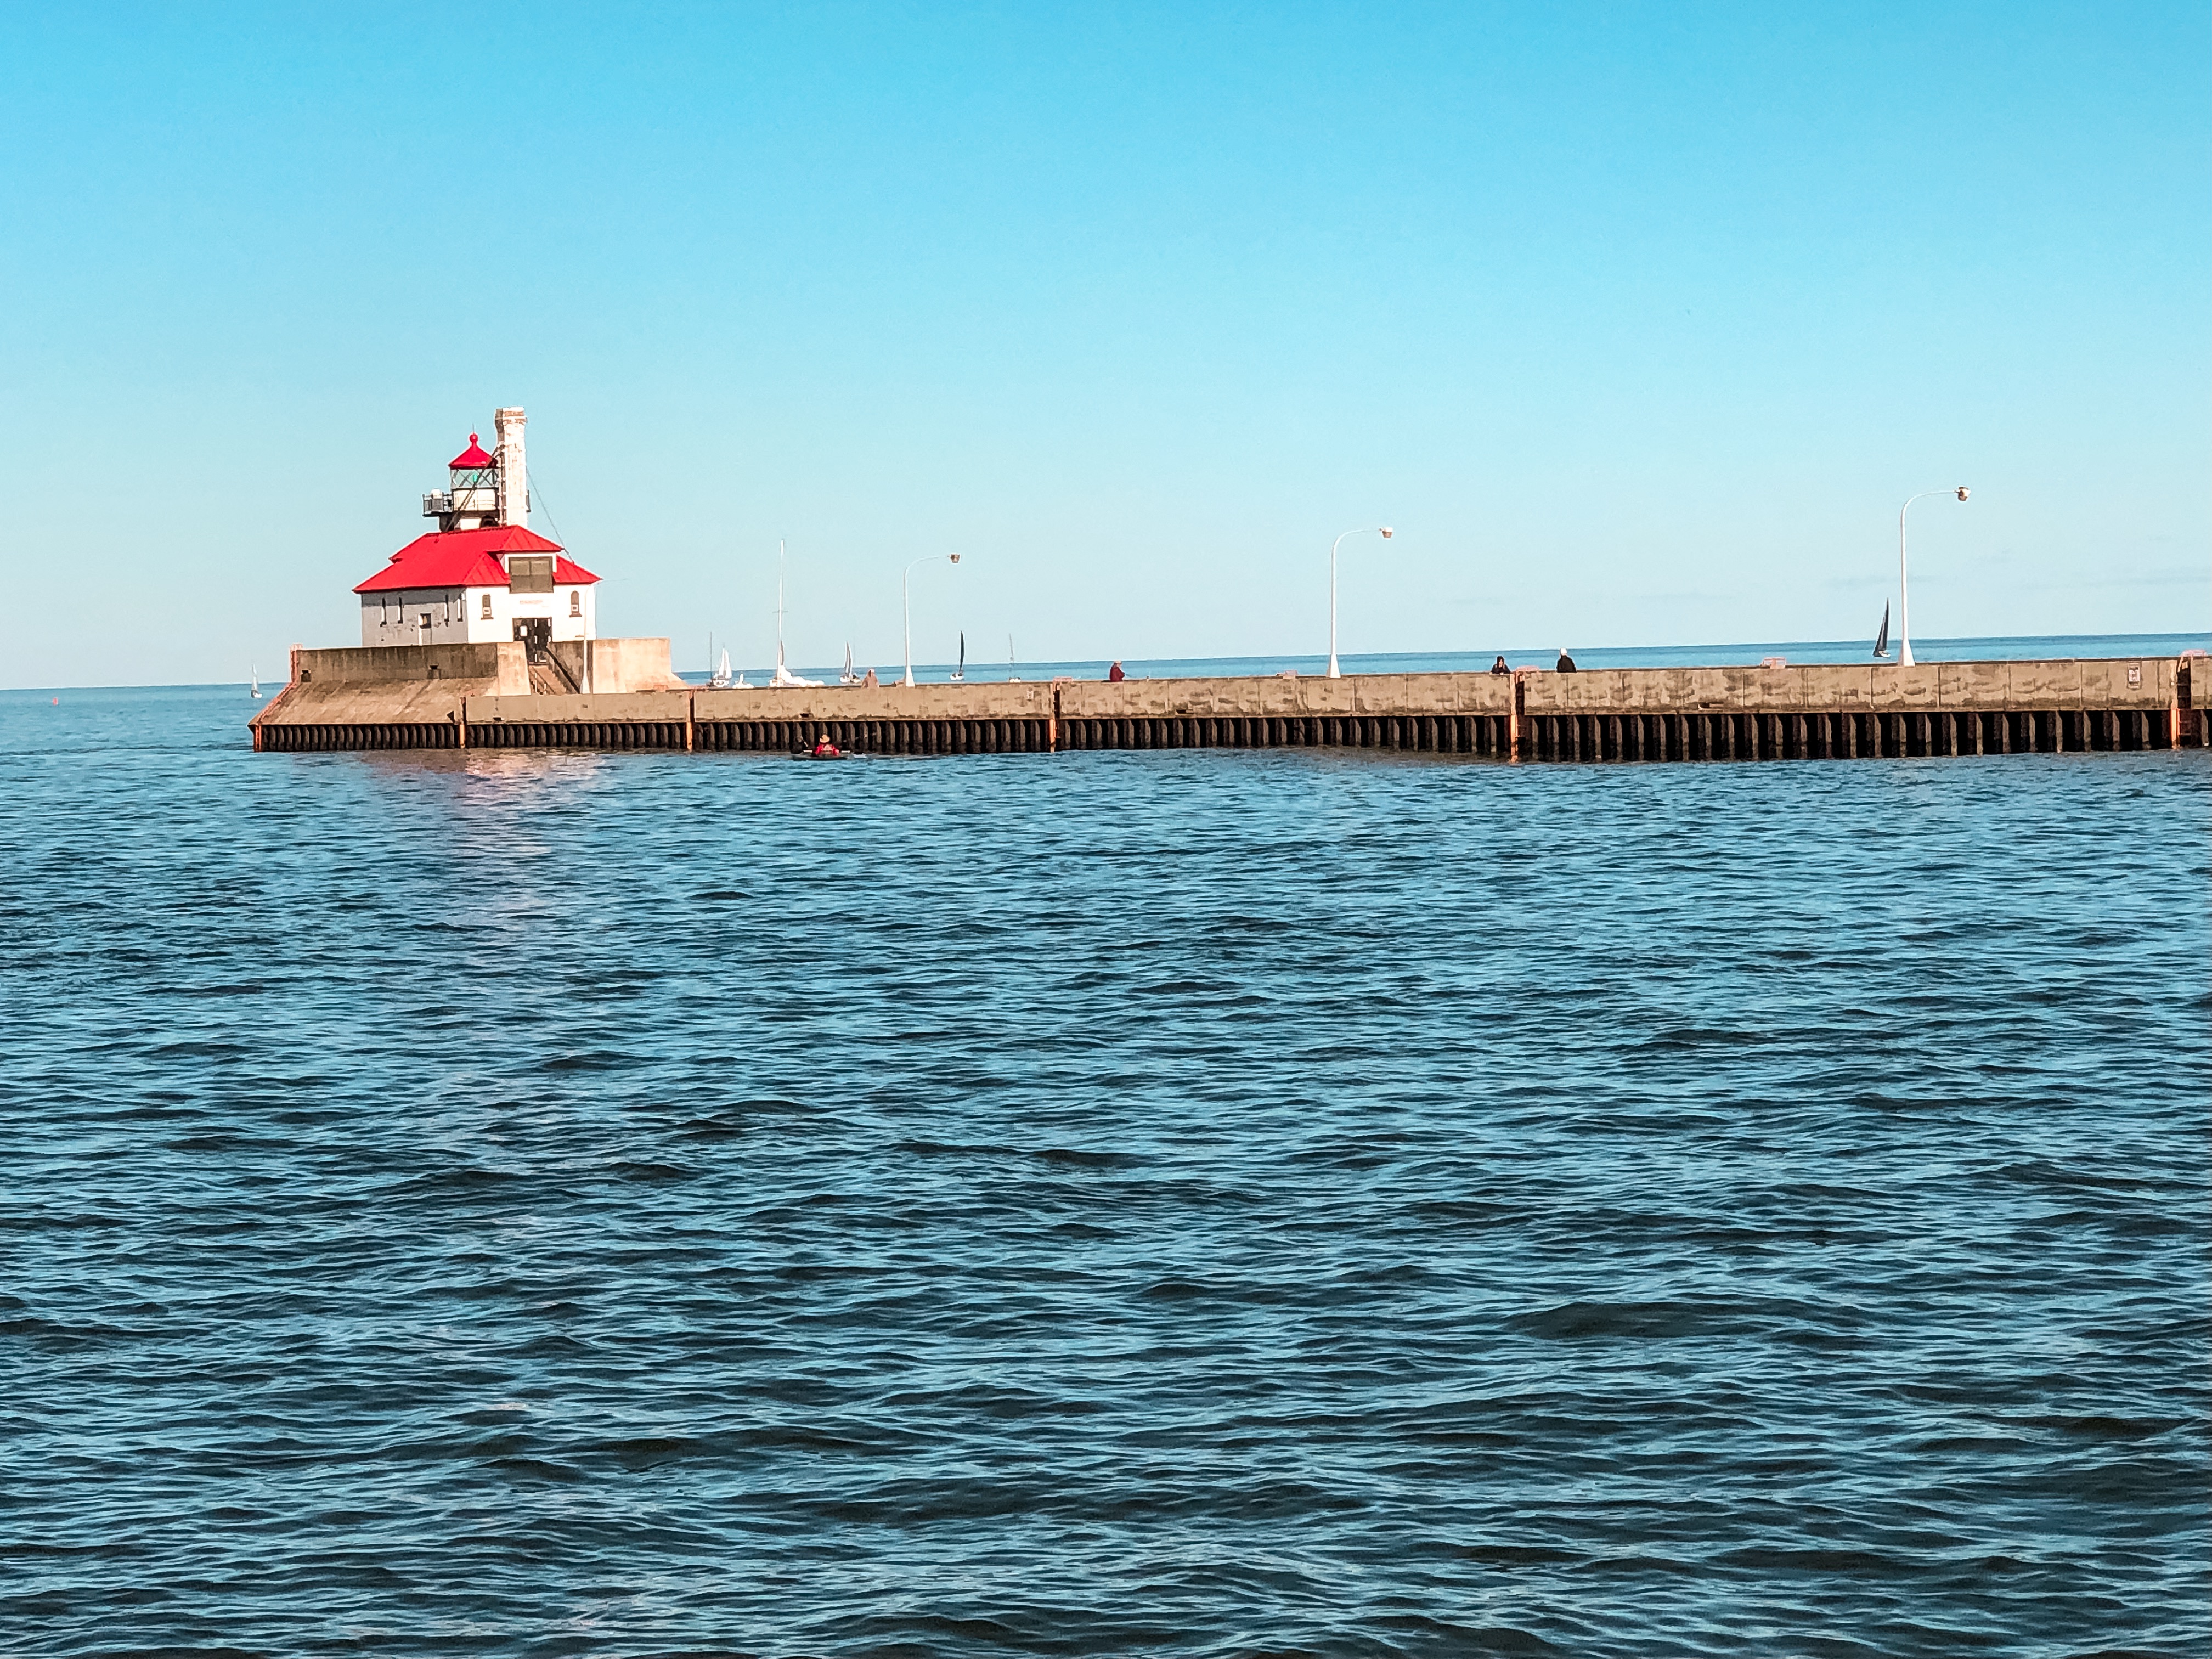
[474,697]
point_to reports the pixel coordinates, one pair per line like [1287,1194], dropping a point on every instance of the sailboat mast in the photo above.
[779,601]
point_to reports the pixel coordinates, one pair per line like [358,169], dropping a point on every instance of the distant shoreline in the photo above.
[2025,647]
[2045,647]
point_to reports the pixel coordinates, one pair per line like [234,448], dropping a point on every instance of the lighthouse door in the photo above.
[537,633]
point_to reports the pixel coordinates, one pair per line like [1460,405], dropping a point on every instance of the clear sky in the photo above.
[1637,322]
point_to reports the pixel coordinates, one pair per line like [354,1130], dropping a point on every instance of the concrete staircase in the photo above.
[549,678]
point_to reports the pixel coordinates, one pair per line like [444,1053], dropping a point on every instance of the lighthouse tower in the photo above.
[483,576]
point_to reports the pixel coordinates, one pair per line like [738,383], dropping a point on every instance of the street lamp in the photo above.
[1385,532]
[1903,597]
[906,607]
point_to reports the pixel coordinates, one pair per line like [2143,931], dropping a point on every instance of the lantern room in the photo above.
[485,489]
[471,501]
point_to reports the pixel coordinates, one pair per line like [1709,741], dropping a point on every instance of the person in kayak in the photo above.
[825,749]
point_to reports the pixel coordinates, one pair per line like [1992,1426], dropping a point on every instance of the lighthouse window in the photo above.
[487,607]
[530,575]
[575,603]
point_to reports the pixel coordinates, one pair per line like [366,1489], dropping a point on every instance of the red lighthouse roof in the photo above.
[467,558]
[473,456]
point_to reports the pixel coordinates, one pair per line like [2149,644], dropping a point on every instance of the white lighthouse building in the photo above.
[483,576]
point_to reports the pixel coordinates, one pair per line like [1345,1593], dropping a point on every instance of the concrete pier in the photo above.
[483,696]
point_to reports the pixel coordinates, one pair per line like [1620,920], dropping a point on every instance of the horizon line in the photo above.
[1291,657]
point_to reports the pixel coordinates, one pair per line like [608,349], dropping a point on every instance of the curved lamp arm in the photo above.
[1385,532]
[1903,592]
[906,608]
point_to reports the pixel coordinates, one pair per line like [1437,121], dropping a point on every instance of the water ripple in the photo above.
[1205,1204]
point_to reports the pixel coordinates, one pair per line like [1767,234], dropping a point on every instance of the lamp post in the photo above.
[906,605]
[1385,532]
[1904,595]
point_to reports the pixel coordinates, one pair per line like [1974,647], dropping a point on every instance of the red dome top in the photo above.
[473,456]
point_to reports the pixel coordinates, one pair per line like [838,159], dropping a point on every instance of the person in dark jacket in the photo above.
[1566,664]
[1499,667]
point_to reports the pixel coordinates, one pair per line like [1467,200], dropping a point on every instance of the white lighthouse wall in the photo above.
[575,615]
[570,607]
[493,628]
[398,618]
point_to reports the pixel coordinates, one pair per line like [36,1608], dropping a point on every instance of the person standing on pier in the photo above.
[1566,664]
[1498,666]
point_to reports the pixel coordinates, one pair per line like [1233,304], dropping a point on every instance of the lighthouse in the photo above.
[484,575]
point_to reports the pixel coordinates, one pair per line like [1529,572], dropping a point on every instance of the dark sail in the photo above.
[1881,640]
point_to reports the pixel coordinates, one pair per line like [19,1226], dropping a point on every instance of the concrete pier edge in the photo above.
[480,697]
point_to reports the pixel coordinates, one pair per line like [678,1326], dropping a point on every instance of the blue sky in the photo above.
[1637,322]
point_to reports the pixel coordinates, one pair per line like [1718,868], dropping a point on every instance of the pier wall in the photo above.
[1816,711]
[501,666]
[2080,683]
[597,667]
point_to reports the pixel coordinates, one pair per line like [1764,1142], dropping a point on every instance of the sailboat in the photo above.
[961,672]
[719,680]
[254,675]
[783,676]
[1013,676]
[1881,640]
[848,677]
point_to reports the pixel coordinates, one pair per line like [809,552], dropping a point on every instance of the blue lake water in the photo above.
[1198,1202]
